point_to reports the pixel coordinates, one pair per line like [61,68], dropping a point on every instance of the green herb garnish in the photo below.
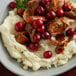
[21,51]
[21,4]
[22,65]
[27,11]
[57,25]
[56,17]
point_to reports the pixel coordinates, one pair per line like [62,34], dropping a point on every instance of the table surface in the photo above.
[5,72]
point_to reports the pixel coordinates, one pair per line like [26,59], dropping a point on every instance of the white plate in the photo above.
[14,67]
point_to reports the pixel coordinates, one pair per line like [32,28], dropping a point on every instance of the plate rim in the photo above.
[18,73]
[13,71]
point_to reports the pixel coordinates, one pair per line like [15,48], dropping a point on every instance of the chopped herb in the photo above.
[22,65]
[21,4]
[27,11]
[22,52]
[57,25]
[27,15]
[23,21]
[56,17]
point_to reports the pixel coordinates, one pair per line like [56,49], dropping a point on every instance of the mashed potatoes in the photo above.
[22,54]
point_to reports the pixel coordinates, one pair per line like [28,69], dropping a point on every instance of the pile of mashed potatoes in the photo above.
[27,58]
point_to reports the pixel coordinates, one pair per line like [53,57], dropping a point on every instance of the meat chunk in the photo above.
[32,34]
[68,21]
[29,19]
[74,10]
[56,27]
[32,5]
[59,49]
[30,31]
[59,39]
[28,28]
[55,4]
[59,25]
[29,14]
[71,14]
[21,38]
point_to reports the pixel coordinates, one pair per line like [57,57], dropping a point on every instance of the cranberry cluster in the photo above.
[40,27]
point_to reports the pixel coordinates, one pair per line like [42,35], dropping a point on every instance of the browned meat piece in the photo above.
[71,14]
[74,10]
[68,21]
[30,31]
[59,49]
[56,28]
[21,38]
[32,34]
[59,25]
[20,11]
[32,5]
[54,4]
[59,39]
[28,28]
[29,15]
[28,18]
[62,39]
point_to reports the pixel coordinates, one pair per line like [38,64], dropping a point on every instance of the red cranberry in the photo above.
[19,26]
[59,49]
[40,11]
[41,29]
[33,46]
[66,7]
[44,2]
[45,35]
[36,37]
[12,4]
[70,32]
[60,12]
[37,23]
[47,54]
[51,15]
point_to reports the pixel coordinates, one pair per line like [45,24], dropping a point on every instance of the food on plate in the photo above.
[40,33]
